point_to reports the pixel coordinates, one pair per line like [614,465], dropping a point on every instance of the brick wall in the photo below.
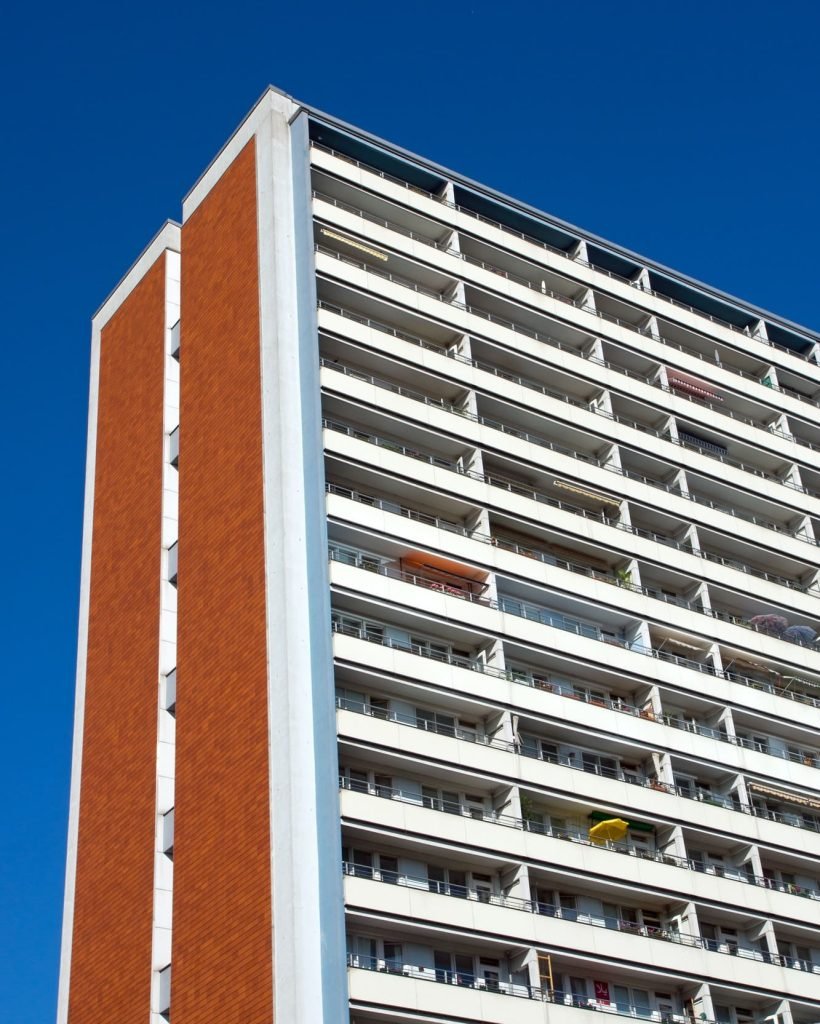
[222,939]
[111,946]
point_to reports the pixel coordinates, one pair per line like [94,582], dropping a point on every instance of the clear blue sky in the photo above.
[687,131]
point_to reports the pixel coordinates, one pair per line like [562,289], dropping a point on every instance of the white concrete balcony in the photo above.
[559,261]
[485,376]
[517,624]
[542,452]
[401,813]
[409,992]
[581,316]
[414,994]
[634,728]
[596,588]
[523,501]
[551,354]
[542,925]
[615,537]
[633,796]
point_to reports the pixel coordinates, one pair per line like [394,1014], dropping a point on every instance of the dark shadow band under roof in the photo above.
[395,161]
[377,158]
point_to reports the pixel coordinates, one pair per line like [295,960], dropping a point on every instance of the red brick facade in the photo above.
[222,915]
[111,945]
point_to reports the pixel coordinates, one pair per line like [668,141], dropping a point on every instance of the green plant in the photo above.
[527,807]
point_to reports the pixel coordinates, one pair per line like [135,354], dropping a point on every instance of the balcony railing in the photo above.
[475,665]
[407,282]
[545,617]
[573,453]
[574,567]
[452,527]
[397,968]
[558,913]
[568,256]
[570,835]
[530,747]
[515,487]
[655,382]
[705,448]
[438,728]
[692,793]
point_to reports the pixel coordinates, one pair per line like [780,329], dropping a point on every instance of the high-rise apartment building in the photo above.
[447,646]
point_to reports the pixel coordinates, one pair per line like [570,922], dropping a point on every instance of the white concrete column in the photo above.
[783,1013]
[703,1003]
[516,882]
[739,787]
[653,701]
[595,350]
[769,377]
[308,916]
[503,726]
[803,528]
[726,719]
[651,328]
[632,574]
[663,768]
[701,594]
[792,477]
[692,922]
[780,425]
[454,246]
[603,404]
[678,843]
[493,655]
[641,280]
[579,252]
[611,458]
[586,301]
[691,538]
[716,657]
[758,330]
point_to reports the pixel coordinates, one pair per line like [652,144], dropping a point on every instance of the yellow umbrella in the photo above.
[613,829]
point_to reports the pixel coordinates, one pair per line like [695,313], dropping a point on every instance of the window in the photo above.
[531,746]
[351,700]
[361,863]
[475,805]
[175,332]
[430,649]
[599,764]
[578,991]
[173,563]
[392,957]
[489,969]
[569,907]
[380,707]
[718,938]
[168,833]
[434,721]
[358,781]
[632,999]
[384,785]
[458,883]
[454,968]
[483,887]
[164,994]
[389,869]
[169,694]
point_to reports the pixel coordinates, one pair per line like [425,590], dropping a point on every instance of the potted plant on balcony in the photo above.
[623,577]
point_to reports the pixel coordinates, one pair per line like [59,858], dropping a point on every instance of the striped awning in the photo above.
[693,387]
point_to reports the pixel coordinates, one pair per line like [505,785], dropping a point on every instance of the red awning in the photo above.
[693,387]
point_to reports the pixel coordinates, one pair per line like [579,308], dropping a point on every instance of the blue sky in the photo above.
[686,131]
